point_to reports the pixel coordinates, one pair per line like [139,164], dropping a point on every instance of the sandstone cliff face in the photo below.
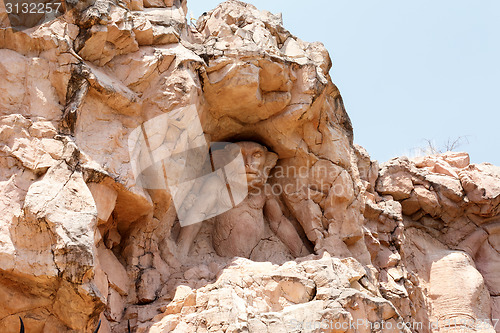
[411,245]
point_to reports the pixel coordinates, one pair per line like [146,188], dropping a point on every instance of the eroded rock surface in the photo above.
[413,243]
[447,222]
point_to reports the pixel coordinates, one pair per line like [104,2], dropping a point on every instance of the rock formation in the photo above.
[407,246]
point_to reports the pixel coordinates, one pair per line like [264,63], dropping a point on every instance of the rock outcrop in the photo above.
[448,210]
[407,246]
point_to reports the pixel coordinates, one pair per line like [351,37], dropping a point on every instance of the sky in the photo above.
[409,71]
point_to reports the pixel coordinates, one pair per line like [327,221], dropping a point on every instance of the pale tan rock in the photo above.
[42,129]
[292,49]
[471,300]
[199,272]
[113,238]
[389,285]
[148,285]
[164,35]
[368,169]
[13,189]
[457,159]
[13,68]
[116,305]
[172,16]
[154,3]
[411,205]
[114,93]
[117,275]
[29,150]
[481,185]
[63,201]
[136,4]
[54,148]
[98,41]
[451,187]
[466,298]
[444,169]
[103,42]
[183,295]
[240,82]
[427,200]
[27,77]
[246,288]
[143,30]
[474,242]
[101,281]
[105,199]
[488,263]
[387,258]
[398,185]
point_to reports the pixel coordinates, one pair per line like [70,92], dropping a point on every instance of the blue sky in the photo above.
[407,70]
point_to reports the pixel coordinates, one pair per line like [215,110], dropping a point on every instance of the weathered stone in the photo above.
[398,185]
[427,200]
[339,238]
[411,205]
[149,283]
[116,305]
[488,262]
[117,275]
[105,199]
